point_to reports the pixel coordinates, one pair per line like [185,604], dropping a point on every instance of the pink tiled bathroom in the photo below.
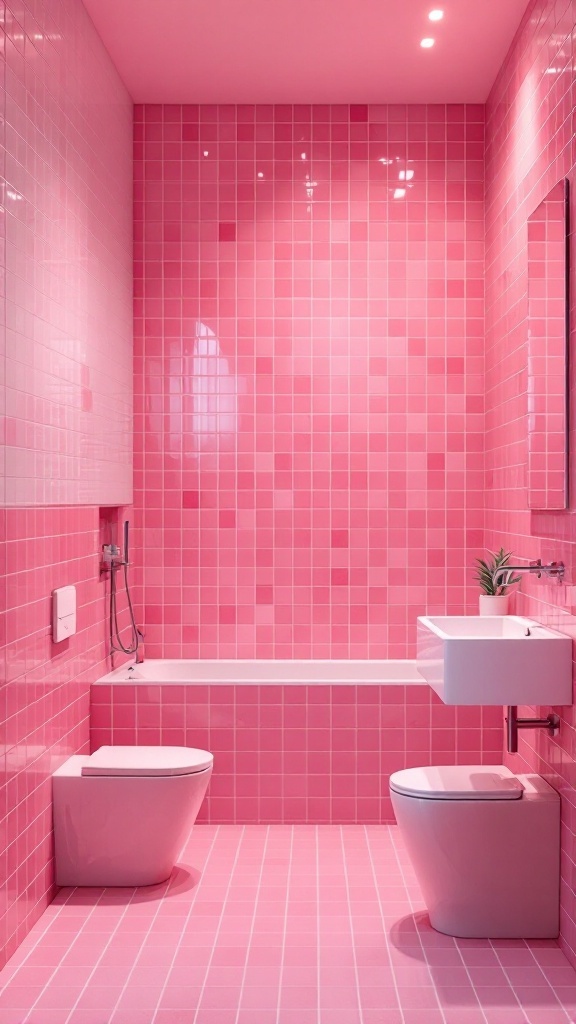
[287,512]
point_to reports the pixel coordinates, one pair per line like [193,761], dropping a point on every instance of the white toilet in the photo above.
[122,814]
[485,847]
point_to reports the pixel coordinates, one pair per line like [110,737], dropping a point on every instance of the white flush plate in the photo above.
[63,613]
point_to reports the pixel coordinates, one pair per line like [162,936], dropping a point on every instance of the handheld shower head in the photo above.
[116,644]
[126,541]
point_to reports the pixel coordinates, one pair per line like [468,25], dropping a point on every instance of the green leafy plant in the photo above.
[486,571]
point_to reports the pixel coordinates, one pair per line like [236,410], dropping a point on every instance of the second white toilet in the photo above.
[485,848]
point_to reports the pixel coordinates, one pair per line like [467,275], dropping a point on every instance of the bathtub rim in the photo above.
[407,675]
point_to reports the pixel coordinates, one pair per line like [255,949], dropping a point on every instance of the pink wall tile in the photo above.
[44,697]
[67,286]
[308,753]
[309,375]
[530,146]
[65,311]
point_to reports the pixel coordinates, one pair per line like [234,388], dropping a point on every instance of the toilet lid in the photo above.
[147,761]
[458,782]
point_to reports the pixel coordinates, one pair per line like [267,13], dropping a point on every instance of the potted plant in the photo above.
[494,583]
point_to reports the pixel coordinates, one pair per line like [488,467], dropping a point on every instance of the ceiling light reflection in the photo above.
[427,43]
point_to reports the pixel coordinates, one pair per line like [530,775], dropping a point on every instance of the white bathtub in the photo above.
[264,673]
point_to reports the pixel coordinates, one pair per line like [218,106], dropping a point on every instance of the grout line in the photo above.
[351,921]
[77,936]
[381,909]
[253,922]
[318,929]
[97,964]
[399,862]
[184,923]
[505,967]
[43,932]
[220,919]
[285,929]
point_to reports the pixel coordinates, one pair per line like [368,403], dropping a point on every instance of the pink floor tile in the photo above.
[284,925]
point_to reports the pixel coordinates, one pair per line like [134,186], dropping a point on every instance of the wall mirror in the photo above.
[548,351]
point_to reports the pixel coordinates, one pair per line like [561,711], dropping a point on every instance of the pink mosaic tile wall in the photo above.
[65,317]
[44,697]
[299,754]
[309,375]
[67,252]
[530,147]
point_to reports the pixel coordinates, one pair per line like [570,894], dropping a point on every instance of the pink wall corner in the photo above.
[309,375]
[65,311]
[529,147]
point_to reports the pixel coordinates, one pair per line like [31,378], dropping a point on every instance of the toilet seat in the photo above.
[458,782]
[147,761]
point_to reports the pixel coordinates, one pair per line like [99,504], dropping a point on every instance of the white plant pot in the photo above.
[491,604]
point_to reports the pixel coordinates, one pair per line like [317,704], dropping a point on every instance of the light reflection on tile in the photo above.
[342,387]
[530,147]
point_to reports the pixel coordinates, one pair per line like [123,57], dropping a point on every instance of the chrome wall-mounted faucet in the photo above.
[555,570]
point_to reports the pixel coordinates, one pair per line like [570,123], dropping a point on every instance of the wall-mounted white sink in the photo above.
[497,659]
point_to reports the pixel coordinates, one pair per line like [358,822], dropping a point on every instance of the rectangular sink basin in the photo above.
[496,659]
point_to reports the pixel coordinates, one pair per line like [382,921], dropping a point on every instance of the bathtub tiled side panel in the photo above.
[316,754]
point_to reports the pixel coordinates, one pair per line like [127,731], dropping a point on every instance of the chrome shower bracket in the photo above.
[111,559]
[513,724]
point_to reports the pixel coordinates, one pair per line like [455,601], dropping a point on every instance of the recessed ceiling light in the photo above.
[406,175]
[436,15]
[399,193]
[426,43]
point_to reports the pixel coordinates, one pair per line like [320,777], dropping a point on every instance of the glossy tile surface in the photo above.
[65,430]
[309,375]
[66,286]
[530,147]
[44,695]
[276,925]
